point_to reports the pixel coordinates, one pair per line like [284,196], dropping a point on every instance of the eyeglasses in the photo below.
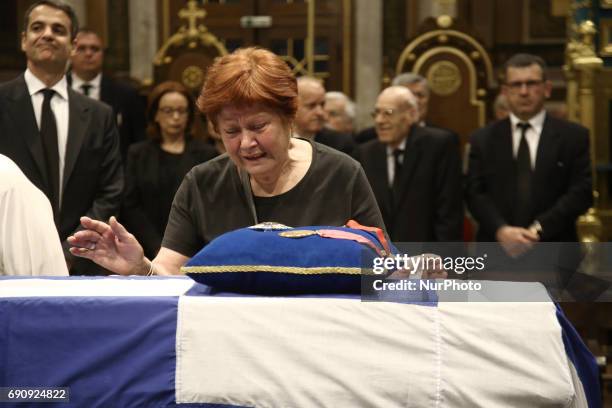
[170,111]
[386,113]
[82,49]
[518,85]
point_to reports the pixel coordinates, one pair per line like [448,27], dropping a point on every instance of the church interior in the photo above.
[358,46]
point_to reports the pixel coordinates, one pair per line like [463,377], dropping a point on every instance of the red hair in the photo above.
[246,77]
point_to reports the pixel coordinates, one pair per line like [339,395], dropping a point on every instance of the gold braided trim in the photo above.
[269,268]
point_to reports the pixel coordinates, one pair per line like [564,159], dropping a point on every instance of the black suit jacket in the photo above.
[128,108]
[339,141]
[93,177]
[430,205]
[561,184]
[142,210]
[366,135]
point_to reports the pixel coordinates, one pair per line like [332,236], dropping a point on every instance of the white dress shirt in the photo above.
[532,135]
[391,160]
[29,242]
[59,106]
[94,91]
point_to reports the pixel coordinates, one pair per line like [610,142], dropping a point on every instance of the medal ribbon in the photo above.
[339,234]
[379,234]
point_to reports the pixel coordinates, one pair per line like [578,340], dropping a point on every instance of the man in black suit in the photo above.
[415,172]
[420,89]
[86,77]
[529,176]
[310,117]
[65,143]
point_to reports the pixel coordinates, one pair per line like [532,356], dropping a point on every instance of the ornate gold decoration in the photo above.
[409,50]
[606,3]
[193,77]
[590,226]
[191,34]
[444,78]
[305,64]
[481,92]
[301,66]
[605,39]
[443,38]
[471,72]
[444,21]
[474,55]
[581,64]
[299,270]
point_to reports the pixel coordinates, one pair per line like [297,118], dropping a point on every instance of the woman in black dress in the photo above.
[156,167]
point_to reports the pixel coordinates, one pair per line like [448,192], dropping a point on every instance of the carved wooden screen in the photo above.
[188,50]
[287,35]
[459,73]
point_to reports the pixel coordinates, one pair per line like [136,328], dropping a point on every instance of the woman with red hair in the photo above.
[250,97]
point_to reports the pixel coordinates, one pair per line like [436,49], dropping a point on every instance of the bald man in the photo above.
[310,117]
[415,172]
[420,89]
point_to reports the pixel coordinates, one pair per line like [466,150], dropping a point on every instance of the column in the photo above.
[368,57]
[143,39]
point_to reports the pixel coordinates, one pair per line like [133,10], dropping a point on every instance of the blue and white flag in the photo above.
[153,342]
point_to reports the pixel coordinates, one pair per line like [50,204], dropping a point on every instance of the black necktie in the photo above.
[86,88]
[398,156]
[522,211]
[48,134]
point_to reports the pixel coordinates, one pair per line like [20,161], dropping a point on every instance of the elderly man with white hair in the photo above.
[415,172]
[340,110]
[419,87]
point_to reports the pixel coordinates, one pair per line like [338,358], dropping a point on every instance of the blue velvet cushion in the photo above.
[266,262]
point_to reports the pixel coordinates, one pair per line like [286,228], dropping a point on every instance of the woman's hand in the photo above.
[430,267]
[110,246]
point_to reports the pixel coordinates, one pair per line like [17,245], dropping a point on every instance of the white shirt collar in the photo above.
[77,81]
[35,85]
[536,121]
[401,146]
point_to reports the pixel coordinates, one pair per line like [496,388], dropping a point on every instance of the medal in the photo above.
[297,233]
[269,226]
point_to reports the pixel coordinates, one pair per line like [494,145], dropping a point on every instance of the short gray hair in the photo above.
[350,105]
[409,78]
